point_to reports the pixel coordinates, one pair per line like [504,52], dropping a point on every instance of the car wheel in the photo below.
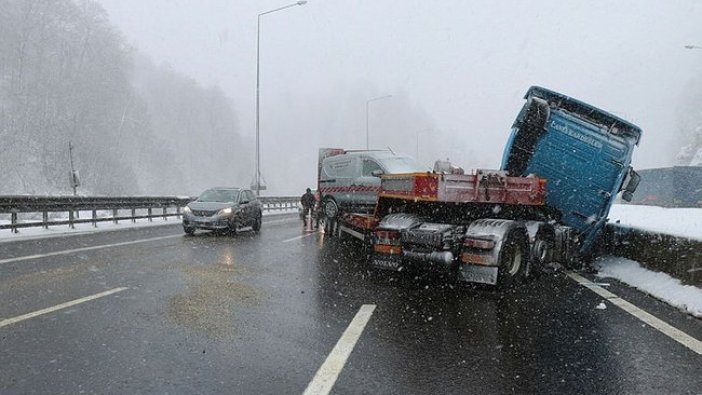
[257,222]
[331,209]
[232,228]
[188,230]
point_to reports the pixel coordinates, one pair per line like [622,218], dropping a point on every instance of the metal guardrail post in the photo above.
[149,214]
[94,217]
[13,221]
[45,219]
[165,217]
[177,211]
[115,214]
[70,219]
[133,215]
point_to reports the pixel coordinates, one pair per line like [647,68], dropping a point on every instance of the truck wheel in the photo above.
[188,230]
[514,259]
[331,209]
[232,228]
[542,253]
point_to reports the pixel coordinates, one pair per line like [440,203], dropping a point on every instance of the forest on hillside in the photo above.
[67,75]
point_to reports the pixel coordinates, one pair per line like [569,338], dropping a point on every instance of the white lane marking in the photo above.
[64,252]
[27,316]
[279,221]
[327,374]
[663,327]
[298,237]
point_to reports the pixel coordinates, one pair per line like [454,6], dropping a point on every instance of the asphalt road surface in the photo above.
[283,312]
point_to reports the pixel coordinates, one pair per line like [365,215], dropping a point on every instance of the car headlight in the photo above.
[225,211]
[187,210]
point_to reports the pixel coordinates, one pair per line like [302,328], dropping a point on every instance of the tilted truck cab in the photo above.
[584,154]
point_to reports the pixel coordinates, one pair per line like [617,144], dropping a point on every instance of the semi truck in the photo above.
[563,166]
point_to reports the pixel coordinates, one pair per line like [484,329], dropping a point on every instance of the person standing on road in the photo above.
[308,202]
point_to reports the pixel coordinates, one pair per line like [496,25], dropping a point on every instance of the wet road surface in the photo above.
[260,313]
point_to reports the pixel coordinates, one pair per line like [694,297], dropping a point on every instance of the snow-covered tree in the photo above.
[66,74]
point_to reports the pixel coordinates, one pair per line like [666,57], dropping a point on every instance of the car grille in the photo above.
[204,213]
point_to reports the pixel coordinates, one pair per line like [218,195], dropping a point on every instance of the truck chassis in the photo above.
[487,227]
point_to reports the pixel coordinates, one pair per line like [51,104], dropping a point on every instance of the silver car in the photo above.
[350,181]
[223,209]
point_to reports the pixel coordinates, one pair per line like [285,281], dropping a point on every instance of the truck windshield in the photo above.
[219,195]
[402,164]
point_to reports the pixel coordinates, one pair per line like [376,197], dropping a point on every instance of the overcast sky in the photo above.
[456,69]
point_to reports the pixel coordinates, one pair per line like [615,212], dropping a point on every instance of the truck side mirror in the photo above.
[631,182]
[377,173]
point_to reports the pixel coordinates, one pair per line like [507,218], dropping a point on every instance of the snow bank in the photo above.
[682,222]
[687,298]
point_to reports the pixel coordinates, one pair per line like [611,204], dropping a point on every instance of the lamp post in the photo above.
[367,106]
[258,82]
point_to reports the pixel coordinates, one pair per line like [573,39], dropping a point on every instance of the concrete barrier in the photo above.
[677,256]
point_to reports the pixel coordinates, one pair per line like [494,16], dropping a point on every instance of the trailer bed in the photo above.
[482,187]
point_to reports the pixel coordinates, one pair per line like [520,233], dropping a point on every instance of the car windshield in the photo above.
[219,195]
[402,164]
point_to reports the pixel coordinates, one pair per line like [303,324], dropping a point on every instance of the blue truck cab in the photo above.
[584,154]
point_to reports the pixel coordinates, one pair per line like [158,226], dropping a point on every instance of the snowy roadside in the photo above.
[38,232]
[687,298]
[678,222]
[681,222]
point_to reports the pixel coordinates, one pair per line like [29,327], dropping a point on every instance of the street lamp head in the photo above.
[302,2]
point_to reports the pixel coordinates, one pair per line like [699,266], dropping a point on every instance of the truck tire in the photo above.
[514,259]
[189,230]
[331,209]
[542,252]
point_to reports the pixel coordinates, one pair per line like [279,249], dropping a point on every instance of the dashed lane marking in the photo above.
[65,252]
[663,327]
[298,237]
[27,316]
[327,374]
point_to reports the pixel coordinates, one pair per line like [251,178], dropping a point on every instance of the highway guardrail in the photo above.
[120,208]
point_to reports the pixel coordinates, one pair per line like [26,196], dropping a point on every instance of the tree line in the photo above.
[66,74]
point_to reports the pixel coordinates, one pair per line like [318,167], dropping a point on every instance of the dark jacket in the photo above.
[308,200]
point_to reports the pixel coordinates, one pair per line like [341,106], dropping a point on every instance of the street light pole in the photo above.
[258,84]
[367,107]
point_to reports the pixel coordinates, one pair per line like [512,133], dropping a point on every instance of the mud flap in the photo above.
[479,274]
